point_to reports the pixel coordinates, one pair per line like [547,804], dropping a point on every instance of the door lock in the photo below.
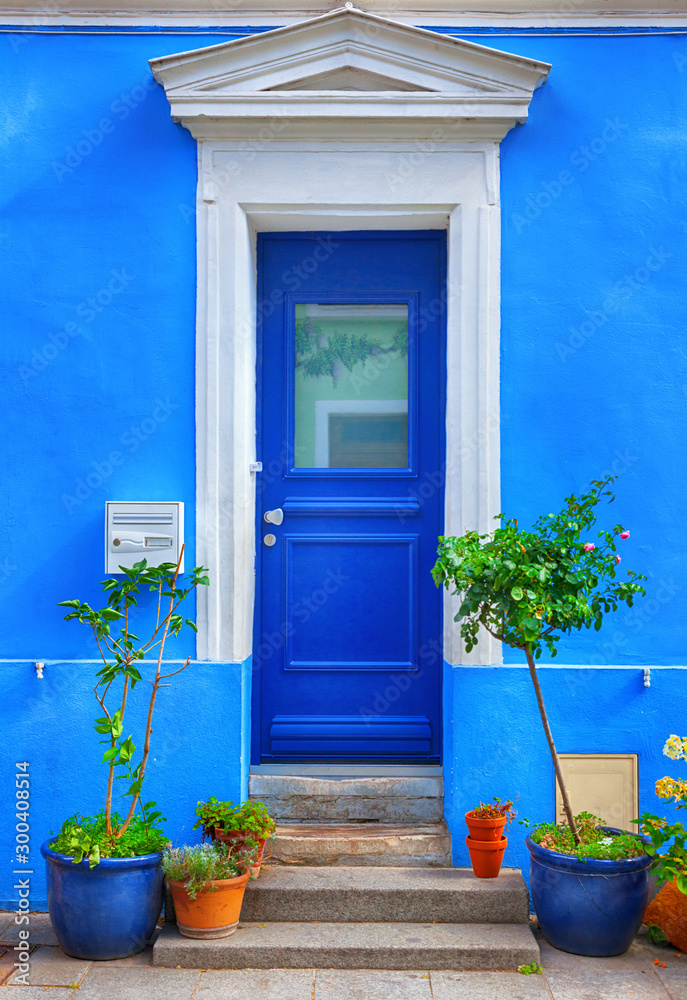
[274,516]
[270,540]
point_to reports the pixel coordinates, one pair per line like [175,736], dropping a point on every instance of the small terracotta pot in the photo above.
[486,856]
[485,829]
[212,914]
[239,838]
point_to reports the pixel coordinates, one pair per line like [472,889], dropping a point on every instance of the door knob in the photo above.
[274,516]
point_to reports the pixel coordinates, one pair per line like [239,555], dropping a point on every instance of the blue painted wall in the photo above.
[199,747]
[97,278]
[499,747]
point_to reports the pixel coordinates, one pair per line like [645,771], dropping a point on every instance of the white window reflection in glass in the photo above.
[351,386]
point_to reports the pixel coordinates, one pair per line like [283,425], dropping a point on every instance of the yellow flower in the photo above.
[676,748]
[671,788]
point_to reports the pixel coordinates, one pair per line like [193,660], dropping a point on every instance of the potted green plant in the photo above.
[668,910]
[207,882]
[527,588]
[105,884]
[486,841]
[246,825]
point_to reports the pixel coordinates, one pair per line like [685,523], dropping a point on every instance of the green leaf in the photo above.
[110,615]
[517,593]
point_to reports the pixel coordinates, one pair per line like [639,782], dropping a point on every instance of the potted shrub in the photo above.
[246,825]
[105,884]
[486,841]
[529,587]
[207,882]
[578,910]
[668,910]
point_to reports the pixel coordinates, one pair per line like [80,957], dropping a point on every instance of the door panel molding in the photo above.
[366,539]
[380,736]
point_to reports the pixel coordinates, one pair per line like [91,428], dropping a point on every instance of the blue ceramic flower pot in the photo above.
[105,912]
[588,907]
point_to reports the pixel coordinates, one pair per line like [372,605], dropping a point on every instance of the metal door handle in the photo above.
[274,516]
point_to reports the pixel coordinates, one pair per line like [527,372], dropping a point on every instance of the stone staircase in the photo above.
[368,918]
[356,820]
[360,878]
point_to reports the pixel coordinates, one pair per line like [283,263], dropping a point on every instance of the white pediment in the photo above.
[346,65]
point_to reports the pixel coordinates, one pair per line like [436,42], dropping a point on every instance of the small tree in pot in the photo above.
[104,875]
[528,588]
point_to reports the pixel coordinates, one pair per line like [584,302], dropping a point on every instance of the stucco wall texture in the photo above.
[97,278]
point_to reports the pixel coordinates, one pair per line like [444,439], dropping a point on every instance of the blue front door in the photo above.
[350,498]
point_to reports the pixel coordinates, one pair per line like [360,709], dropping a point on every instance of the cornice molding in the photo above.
[213,13]
[348,72]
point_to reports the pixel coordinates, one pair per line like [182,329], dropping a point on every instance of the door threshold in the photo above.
[352,770]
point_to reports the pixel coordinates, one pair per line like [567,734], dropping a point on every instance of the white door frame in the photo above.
[275,158]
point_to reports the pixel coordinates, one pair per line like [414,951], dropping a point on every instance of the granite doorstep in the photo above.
[412,895]
[351,946]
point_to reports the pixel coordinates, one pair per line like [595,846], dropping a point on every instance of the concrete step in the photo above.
[365,843]
[378,895]
[353,946]
[330,799]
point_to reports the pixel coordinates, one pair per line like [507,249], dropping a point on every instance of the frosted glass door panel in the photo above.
[351,386]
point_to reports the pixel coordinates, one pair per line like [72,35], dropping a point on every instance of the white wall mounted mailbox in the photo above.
[142,530]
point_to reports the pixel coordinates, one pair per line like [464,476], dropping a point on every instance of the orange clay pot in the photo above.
[668,910]
[486,856]
[210,914]
[485,829]
[238,838]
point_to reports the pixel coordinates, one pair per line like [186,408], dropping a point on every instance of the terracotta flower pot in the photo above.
[239,838]
[485,829]
[212,914]
[668,910]
[486,856]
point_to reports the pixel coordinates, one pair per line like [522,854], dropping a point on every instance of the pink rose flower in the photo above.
[617,559]
[588,546]
[624,534]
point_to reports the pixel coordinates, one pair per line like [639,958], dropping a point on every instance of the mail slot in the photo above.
[142,530]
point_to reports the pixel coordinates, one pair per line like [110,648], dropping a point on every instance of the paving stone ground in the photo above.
[56,976]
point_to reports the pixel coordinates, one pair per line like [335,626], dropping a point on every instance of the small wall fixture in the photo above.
[142,530]
[39,671]
[647,677]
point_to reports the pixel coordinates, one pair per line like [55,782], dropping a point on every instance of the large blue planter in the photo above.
[105,912]
[588,907]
